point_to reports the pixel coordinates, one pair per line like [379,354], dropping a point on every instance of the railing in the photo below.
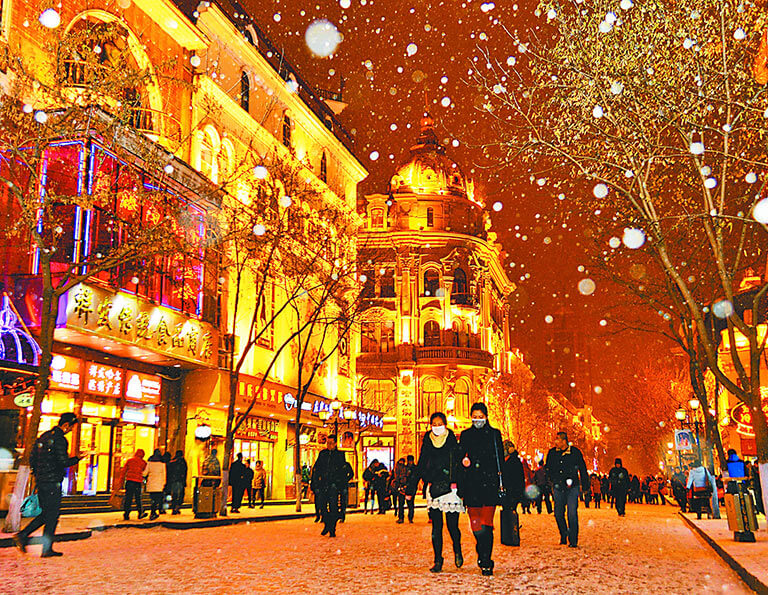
[476,356]
[331,95]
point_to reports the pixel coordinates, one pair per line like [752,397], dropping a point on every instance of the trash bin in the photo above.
[207,497]
[352,497]
[740,510]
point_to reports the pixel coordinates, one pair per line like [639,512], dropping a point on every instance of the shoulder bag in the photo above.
[502,495]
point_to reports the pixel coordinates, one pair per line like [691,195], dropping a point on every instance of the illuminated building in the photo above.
[436,325]
[140,350]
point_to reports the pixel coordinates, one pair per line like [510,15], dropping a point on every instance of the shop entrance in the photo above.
[258,450]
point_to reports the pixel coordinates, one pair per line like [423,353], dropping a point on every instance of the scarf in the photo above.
[438,441]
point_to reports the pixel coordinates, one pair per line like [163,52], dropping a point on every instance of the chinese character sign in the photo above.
[142,388]
[65,373]
[103,380]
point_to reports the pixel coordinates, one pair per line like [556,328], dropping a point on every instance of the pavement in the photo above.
[748,560]
[650,550]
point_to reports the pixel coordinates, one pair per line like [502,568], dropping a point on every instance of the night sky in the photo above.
[386,89]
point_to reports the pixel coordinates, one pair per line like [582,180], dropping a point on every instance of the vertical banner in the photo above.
[406,420]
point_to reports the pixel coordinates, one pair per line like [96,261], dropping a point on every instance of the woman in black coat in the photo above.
[439,468]
[482,457]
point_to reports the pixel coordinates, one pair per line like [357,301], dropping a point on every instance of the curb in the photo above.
[71,536]
[745,575]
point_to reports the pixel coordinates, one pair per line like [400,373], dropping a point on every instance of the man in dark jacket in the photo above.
[236,480]
[513,475]
[49,461]
[177,480]
[619,480]
[542,485]
[567,472]
[248,482]
[330,476]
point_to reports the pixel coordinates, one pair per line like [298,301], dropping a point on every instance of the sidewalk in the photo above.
[73,527]
[749,560]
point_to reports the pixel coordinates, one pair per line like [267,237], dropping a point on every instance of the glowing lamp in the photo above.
[335,404]
[203,432]
[325,415]
[680,414]
[349,414]
[694,403]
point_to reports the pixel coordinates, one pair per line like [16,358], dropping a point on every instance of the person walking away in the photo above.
[678,489]
[618,479]
[525,501]
[331,479]
[237,481]
[399,485]
[596,489]
[700,484]
[260,482]
[439,469]
[155,474]
[248,482]
[513,474]
[567,472]
[605,490]
[369,493]
[634,489]
[49,461]
[482,451]
[177,481]
[410,467]
[133,475]
[380,487]
[166,487]
[542,485]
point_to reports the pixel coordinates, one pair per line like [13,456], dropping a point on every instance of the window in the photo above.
[459,294]
[387,342]
[387,284]
[379,395]
[377,218]
[461,398]
[430,217]
[369,344]
[431,334]
[378,337]
[431,282]
[369,287]
[287,130]
[225,161]
[245,91]
[324,167]
[431,398]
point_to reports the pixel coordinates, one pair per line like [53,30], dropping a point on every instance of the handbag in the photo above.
[30,507]
[502,495]
[443,486]
[510,527]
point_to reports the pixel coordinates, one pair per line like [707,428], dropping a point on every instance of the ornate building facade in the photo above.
[436,327]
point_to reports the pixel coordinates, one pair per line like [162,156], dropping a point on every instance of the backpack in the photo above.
[41,451]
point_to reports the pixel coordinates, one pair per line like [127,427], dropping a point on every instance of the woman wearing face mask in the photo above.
[439,467]
[482,457]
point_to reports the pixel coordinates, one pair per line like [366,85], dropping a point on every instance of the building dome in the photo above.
[429,170]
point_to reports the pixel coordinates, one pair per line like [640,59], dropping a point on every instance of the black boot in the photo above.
[437,549]
[458,558]
[438,567]
[484,548]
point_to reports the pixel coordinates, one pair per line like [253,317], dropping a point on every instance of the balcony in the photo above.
[461,355]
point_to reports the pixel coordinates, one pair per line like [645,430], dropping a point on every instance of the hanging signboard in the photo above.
[684,440]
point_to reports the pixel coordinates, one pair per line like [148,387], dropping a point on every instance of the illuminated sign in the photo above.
[24,400]
[139,414]
[142,388]
[742,417]
[257,428]
[316,405]
[66,373]
[131,320]
[103,380]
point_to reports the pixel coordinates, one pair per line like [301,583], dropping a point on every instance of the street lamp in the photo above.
[680,415]
[694,403]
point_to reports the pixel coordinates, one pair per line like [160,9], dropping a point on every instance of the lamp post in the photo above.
[348,415]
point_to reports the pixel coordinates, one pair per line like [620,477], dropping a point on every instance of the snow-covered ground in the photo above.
[648,551]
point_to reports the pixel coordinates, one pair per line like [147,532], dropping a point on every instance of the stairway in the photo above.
[79,504]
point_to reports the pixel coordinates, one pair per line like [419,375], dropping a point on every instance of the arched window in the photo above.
[430,217]
[431,334]
[459,294]
[431,282]
[387,336]
[225,161]
[287,130]
[324,167]
[377,218]
[431,398]
[245,91]
[210,144]
[379,395]
[387,283]
[461,398]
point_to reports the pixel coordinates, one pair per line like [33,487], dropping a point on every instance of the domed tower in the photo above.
[435,326]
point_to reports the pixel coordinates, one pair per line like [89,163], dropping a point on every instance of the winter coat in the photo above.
[399,477]
[248,477]
[700,477]
[485,451]
[259,477]
[236,473]
[565,465]
[513,473]
[540,480]
[329,472]
[155,474]
[595,484]
[618,478]
[177,471]
[134,467]
[437,467]
[50,456]
[211,466]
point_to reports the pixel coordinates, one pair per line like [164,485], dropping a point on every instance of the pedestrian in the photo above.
[634,489]
[662,490]
[330,480]
[133,476]
[177,481]
[410,467]
[596,489]
[513,474]
[306,474]
[349,473]
[166,487]
[525,501]
[605,489]
[313,485]
[49,461]
[543,488]
[237,482]
[439,469]
[399,485]
[653,490]
[678,489]
[700,484]
[618,479]
[369,493]
[380,481]
[248,482]
[155,474]
[482,450]
[211,469]
[568,473]
[260,482]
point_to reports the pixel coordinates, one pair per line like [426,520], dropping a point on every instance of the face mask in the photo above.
[438,430]
[478,423]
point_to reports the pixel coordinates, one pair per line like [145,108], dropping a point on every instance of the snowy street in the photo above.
[650,550]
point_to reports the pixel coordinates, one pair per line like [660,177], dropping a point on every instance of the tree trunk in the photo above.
[761,440]
[50,311]
[229,441]
[297,455]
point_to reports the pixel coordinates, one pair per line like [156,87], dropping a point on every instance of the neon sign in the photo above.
[16,344]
